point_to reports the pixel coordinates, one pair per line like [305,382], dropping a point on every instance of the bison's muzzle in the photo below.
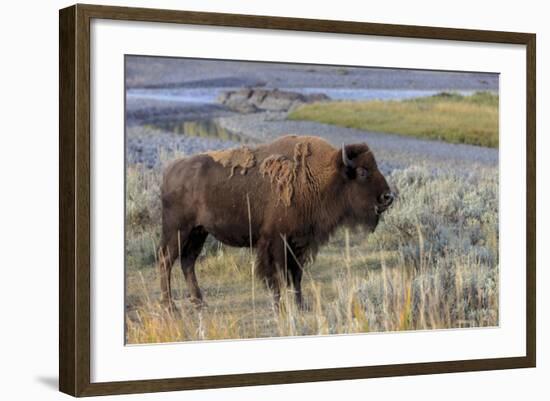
[384,202]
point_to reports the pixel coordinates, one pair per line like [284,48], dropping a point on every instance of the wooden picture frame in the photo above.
[75,200]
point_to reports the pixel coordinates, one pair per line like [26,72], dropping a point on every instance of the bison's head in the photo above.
[366,191]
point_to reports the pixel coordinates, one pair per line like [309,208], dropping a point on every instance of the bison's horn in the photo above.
[345,158]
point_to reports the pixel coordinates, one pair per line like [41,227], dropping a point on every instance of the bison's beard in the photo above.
[372,222]
[367,223]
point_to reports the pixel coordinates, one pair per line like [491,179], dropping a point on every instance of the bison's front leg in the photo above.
[295,267]
[295,273]
[270,257]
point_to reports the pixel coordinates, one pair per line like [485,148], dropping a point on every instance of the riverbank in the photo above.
[146,145]
[448,117]
[394,151]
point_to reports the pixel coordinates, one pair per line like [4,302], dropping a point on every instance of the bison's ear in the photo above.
[348,156]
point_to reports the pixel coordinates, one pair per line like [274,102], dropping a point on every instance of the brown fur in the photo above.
[241,158]
[283,173]
[299,192]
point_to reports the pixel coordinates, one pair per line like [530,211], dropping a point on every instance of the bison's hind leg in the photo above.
[186,243]
[174,233]
[167,254]
[191,247]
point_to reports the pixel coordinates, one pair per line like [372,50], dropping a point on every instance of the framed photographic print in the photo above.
[250,200]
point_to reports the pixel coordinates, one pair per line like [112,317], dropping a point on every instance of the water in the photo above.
[199,129]
[376,94]
[200,96]
[185,95]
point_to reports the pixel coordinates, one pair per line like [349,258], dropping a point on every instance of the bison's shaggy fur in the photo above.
[289,197]
[283,172]
[241,158]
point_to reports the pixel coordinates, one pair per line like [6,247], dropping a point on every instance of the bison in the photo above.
[284,199]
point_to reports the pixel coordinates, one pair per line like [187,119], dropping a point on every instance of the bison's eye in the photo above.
[362,173]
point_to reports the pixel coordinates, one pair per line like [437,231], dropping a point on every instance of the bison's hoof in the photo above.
[198,303]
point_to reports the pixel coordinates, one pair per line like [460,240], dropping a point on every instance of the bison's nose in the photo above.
[386,199]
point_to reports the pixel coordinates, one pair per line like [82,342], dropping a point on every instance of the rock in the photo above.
[250,100]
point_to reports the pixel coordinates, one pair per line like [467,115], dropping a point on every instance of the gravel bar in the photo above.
[395,149]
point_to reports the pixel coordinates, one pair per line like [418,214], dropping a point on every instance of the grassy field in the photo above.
[447,116]
[431,264]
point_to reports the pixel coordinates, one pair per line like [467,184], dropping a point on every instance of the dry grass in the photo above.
[449,117]
[431,264]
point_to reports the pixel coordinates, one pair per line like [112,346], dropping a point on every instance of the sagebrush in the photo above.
[431,264]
